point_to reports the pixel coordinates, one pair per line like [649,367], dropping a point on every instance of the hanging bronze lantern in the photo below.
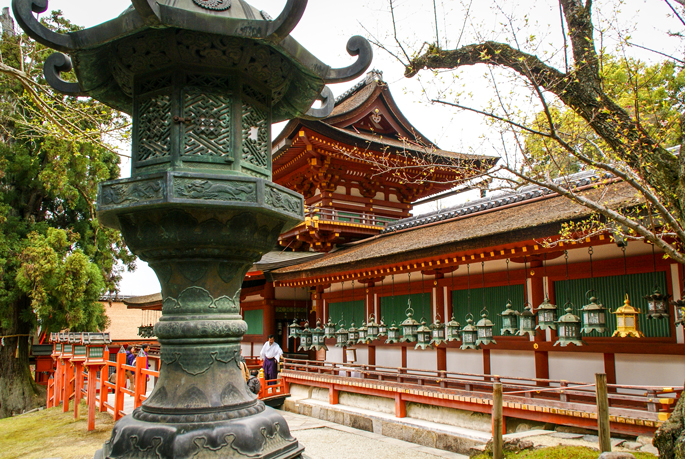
[437,332]
[305,338]
[352,335]
[657,305]
[341,336]
[509,320]
[469,335]
[678,308]
[294,329]
[547,316]
[453,330]
[409,327]
[626,320]
[329,329]
[361,332]
[372,328]
[484,328]
[423,336]
[569,328]
[526,321]
[594,316]
[393,334]
[382,328]
[318,337]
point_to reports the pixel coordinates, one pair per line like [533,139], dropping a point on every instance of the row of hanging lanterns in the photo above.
[570,327]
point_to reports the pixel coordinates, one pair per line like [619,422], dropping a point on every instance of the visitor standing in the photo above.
[143,353]
[253,383]
[131,360]
[270,354]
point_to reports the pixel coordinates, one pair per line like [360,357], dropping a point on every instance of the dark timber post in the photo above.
[497,421]
[603,413]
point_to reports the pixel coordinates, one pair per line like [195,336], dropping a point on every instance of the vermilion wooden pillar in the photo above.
[541,366]
[486,363]
[441,354]
[404,357]
[372,355]
[610,369]
[269,320]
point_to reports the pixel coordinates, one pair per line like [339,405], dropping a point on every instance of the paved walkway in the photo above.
[328,440]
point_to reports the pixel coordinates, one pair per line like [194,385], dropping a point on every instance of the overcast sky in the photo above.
[535,26]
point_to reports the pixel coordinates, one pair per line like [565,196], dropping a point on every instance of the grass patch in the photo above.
[560,452]
[52,433]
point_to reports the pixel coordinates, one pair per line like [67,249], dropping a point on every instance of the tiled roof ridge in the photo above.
[371,76]
[526,193]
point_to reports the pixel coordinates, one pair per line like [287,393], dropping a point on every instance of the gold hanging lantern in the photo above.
[626,320]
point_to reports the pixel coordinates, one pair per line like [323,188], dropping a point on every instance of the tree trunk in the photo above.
[670,437]
[18,390]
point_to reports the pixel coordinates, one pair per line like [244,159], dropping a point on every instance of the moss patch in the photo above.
[560,452]
[52,433]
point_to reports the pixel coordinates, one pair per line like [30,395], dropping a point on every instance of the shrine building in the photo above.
[360,258]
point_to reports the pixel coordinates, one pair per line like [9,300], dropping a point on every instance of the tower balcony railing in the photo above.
[324,214]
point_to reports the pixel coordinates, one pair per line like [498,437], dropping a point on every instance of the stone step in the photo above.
[431,434]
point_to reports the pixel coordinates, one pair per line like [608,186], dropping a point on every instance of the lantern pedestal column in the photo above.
[200,406]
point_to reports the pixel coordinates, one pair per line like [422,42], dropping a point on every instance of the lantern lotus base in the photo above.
[423,346]
[469,346]
[264,434]
[408,340]
[657,315]
[565,343]
[509,331]
[589,329]
[546,327]
[526,332]
[485,342]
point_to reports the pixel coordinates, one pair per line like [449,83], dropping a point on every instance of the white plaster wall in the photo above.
[575,366]
[650,370]
[422,360]
[389,357]
[520,364]
[467,361]
[334,354]
[246,347]
[362,355]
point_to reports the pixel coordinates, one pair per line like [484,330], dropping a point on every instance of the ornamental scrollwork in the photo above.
[215,190]
[281,200]
[127,193]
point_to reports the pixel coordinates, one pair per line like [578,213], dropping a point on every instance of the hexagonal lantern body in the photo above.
[203,80]
[547,316]
[678,307]
[393,334]
[305,338]
[318,337]
[469,336]
[569,329]
[382,328]
[372,329]
[626,320]
[526,321]
[484,328]
[361,332]
[657,305]
[594,317]
[329,329]
[423,336]
[341,337]
[437,332]
[509,320]
[453,330]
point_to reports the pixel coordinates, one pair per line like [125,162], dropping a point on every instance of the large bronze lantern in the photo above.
[202,80]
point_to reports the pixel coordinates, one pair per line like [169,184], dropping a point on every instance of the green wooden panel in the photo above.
[255,321]
[495,302]
[349,310]
[610,291]
[393,309]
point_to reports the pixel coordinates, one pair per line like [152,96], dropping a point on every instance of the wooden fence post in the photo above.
[603,412]
[120,383]
[92,388]
[497,421]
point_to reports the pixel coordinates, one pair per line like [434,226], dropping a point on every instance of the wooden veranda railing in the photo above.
[70,383]
[633,409]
